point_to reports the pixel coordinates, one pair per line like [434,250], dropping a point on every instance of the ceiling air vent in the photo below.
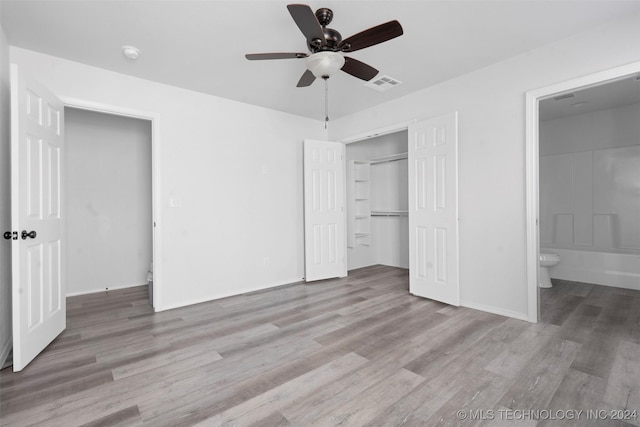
[383,83]
[564,96]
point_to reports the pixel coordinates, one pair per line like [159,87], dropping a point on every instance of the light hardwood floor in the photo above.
[354,351]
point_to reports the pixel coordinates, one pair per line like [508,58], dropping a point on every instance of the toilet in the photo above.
[546,261]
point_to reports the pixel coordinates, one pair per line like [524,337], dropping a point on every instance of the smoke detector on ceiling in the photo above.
[382,84]
[130,52]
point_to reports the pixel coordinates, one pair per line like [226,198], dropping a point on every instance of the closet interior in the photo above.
[377,201]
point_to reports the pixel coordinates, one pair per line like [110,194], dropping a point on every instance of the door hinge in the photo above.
[10,235]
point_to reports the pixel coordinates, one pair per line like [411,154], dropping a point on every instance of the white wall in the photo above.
[492,190]
[5,201]
[108,201]
[390,191]
[589,181]
[609,128]
[389,187]
[233,172]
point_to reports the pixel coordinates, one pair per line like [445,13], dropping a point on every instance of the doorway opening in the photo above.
[426,189]
[377,201]
[574,210]
[109,202]
[589,159]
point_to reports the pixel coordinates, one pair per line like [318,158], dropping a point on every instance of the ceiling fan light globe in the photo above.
[325,64]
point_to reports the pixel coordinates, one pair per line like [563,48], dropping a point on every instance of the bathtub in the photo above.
[602,268]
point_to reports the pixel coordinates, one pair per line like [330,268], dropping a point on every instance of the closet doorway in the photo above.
[402,204]
[108,201]
[377,201]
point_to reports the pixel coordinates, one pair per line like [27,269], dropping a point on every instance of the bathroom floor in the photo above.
[605,322]
[570,302]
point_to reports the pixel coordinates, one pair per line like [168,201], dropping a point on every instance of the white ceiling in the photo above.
[200,45]
[613,94]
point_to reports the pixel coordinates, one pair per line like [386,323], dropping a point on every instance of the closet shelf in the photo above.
[390,213]
[359,198]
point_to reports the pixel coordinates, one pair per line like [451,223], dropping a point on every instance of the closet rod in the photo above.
[389,213]
[391,158]
[377,162]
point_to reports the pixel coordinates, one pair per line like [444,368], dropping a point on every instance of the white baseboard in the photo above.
[4,353]
[223,295]
[496,310]
[603,277]
[95,291]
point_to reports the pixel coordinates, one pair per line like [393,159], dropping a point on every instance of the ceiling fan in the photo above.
[327,46]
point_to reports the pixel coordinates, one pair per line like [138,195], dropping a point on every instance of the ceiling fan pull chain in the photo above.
[326,101]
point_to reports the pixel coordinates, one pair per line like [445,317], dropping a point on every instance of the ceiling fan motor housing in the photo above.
[332,40]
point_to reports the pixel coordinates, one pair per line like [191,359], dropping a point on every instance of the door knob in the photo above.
[26,234]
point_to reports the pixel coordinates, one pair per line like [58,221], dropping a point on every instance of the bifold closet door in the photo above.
[324,214]
[433,209]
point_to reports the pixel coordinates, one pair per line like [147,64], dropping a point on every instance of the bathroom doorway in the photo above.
[589,156]
[583,155]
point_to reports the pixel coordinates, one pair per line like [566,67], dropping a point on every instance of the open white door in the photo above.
[37,157]
[433,209]
[324,216]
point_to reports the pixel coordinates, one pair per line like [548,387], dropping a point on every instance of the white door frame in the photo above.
[532,166]
[397,127]
[83,104]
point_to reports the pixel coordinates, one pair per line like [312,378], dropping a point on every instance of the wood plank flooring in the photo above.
[357,351]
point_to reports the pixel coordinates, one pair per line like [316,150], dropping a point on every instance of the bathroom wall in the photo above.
[590,181]
[389,189]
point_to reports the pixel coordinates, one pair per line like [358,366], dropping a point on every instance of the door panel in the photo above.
[324,210]
[37,156]
[433,209]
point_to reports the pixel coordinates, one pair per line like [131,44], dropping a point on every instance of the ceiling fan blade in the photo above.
[283,55]
[307,22]
[372,36]
[358,69]
[306,79]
